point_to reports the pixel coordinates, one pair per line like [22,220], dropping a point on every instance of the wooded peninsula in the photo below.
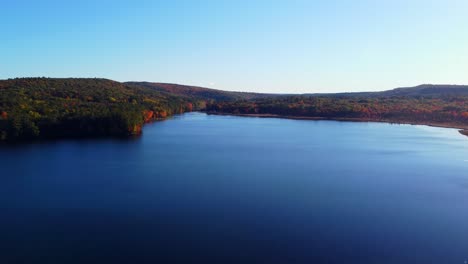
[51,108]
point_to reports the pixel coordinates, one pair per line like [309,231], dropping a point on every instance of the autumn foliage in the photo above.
[148,115]
[37,108]
[430,110]
[32,108]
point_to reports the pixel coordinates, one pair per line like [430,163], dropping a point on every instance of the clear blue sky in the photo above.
[263,46]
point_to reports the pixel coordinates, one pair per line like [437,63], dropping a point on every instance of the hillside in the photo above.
[198,93]
[424,90]
[47,108]
[34,108]
[436,105]
[428,90]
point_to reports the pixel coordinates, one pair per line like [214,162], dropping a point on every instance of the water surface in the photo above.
[223,189]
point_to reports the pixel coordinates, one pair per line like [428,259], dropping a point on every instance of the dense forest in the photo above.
[32,108]
[46,108]
[435,109]
[199,93]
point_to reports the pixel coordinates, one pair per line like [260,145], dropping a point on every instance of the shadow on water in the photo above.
[73,140]
[215,189]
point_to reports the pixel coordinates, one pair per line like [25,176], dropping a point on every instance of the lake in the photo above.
[222,189]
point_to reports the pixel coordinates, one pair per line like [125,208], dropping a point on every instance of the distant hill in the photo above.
[198,92]
[49,108]
[437,105]
[424,90]
[428,90]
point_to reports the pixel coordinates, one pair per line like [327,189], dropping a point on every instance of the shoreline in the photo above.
[461,128]
[77,137]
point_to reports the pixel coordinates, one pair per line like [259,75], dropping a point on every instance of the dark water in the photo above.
[218,189]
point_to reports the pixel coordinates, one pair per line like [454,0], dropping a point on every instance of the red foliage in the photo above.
[4,115]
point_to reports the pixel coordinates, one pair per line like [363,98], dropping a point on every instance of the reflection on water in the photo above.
[224,189]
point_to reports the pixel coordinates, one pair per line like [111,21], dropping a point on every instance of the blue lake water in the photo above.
[223,189]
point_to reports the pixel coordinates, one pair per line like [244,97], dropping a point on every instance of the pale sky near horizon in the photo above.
[260,46]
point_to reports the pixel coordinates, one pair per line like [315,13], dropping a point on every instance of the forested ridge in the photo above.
[37,108]
[49,108]
[199,93]
[443,109]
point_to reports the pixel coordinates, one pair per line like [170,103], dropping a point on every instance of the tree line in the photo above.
[33,108]
[420,109]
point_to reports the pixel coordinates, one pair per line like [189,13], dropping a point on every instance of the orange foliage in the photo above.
[162,114]
[135,130]
[148,115]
